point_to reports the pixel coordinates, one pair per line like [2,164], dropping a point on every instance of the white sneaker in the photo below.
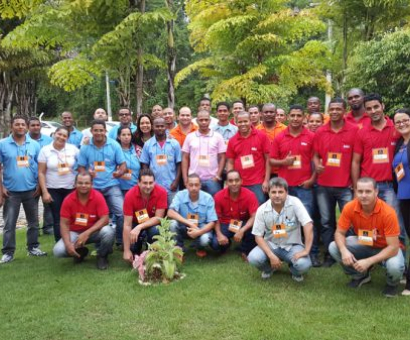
[297,278]
[6,258]
[36,252]
[266,275]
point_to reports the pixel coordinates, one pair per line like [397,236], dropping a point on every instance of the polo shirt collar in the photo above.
[376,210]
[302,133]
[228,196]
[253,132]
[268,205]
[186,198]
[209,134]
[108,141]
[26,141]
[389,124]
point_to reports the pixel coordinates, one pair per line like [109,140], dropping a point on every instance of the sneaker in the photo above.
[315,261]
[201,253]
[329,261]
[102,262]
[297,278]
[390,291]
[405,292]
[266,275]
[359,282]
[36,252]
[83,252]
[6,258]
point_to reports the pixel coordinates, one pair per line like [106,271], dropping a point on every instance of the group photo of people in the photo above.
[286,188]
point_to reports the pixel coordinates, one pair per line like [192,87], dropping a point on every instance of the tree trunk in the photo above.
[172,56]
[140,73]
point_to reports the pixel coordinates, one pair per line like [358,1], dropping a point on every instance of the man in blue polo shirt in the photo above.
[76,136]
[104,159]
[34,131]
[125,117]
[193,214]
[18,159]
[163,156]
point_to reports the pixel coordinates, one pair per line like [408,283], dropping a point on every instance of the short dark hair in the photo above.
[18,116]
[33,119]
[233,171]
[205,98]
[238,101]
[98,122]
[251,106]
[83,173]
[404,110]
[63,128]
[296,107]
[338,100]
[223,104]
[373,96]
[194,175]
[145,172]
[124,108]
[367,180]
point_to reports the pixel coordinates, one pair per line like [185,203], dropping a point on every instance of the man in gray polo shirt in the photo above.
[277,230]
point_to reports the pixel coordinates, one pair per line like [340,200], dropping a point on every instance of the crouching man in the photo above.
[84,220]
[277,230]
[193,213]
[376,238]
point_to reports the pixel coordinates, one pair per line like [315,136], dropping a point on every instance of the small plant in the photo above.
[160,263]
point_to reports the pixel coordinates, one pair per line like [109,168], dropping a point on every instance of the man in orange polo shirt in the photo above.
[184,127]
[376,238]
[269,126]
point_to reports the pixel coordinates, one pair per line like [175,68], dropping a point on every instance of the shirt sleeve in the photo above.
[83,156]
[163,199]
[218,205]
[144,158]
[177,151]
[65,211]
[42,156]
[128,204]
[258,228]
[176,202]
[211,213]
[345,219]
[391,224]
[253,203]
[230,151]
[301,212]
[186,147]
[358,144]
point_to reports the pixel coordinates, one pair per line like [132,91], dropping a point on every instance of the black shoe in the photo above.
[359,282]
[102,262]
[329,261]
[48,231]
[390,291]
[315,261]
[83,252]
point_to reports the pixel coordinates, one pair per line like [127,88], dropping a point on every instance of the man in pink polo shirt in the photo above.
[357,115]
[203,153]
[333,151]
[248,152]
[84,220]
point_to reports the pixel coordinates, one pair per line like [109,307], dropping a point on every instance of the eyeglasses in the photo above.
[402,122]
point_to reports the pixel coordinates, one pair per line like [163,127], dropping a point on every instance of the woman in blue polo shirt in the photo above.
[130,178]
[401,170]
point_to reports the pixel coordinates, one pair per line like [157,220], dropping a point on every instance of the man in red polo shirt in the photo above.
[84,219]
[376,230]
[144,206]
[248,152]
[357,115]
[292,152]
[236,209]
[333,149]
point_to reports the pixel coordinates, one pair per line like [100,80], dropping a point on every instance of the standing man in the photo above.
[333,152]
[277,230]
[280,116]
[255,115]
[99,114]
[104,160]
[236,209]
[203,153]
[156,111]
[163,156]
[125,116]
[169,117]
[205,105]
[357,115]
[193,214]
[84,220]
[34,131]
[269,126]
[224,128]
[376,230]
[18,161]
[237,106]
[248,153]
[184,127]
[314,106]
[144,206]
[75,136]
[292,152]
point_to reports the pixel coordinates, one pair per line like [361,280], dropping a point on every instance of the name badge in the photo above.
[234,226]
[193,218]
[127,175]
[204,161]
[247,162]
[297,163]
[279,231]
[22,161]
[63,169]
[99,166]
[380,155]
[366,237]
[81,219]
[142,216]
[161,159]
[334,159]
[399,171]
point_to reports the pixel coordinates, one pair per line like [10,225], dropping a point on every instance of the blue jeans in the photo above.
[103,239]
[394,265]
[11,211]
[181,233]
[115,201]
[145,236]
[327,198]
[317,224]
[247,244]
[170,196]
[257,190]
[210,186]
[258,258]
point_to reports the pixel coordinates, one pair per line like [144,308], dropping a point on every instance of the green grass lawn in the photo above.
[220,298]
